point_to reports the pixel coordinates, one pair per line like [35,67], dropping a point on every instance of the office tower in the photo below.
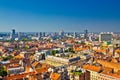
[85,34]
[75,34]
[40,35]
[13,31]
[13,34]
[105,37]
[19,35]
[36,34]
[43,34]
[61,33]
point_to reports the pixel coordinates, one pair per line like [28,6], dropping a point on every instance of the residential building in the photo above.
[60,61]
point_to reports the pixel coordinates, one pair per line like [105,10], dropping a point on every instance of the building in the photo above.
[74,35]
[16,70]
[76,73]
[60,61]
[55,76]
[98,73]
[61,33]
[85,76]
[13,31]
[13,34]
[105,37]
[115,66]
[39,56]
[43,34]
[85,34]
[94,71]
[40,34]
[36,65]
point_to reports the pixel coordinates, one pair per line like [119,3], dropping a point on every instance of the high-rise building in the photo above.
[43,34]
[40,35]
[13,31]
[13,34]
[19,35]
[61,33]
[85,34]
[105,37]
[75,34]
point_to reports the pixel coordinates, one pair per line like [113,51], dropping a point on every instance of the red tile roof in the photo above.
[92,68]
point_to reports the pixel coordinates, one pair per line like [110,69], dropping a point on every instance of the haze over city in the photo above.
[54,15]
[60,40]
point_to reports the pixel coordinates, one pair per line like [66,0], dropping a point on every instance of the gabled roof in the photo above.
[104,63]
[19,76]
[92,68]
[36,63]
[42,69]
[55,76]
[18,56]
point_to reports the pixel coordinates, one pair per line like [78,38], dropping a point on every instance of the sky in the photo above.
[56,15]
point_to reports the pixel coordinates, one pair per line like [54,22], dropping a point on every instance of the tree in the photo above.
[10,57]
[25,39]
[70,50]
[66,50]
[4,59]
[26,47]
[53,52]
[16,47]
[32,53]
[73,51]
[57,51]
[3,72]
[7,58]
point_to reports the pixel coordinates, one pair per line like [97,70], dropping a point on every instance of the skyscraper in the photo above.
[13,34]
[43,34]
[75,34]
[85,34]
[13,31]
[61,33]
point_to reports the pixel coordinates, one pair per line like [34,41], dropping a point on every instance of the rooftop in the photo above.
[55,76]
[115,66]
[92,68]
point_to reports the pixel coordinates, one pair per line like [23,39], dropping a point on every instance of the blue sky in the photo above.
[54,15]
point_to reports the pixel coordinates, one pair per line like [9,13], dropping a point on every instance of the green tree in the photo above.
[16,47]
[66,51]
[10,57]
[25,39]
[32,53]
[70,50]
[4,58]
[7,58]
[26,47]
[53,52]
[3,72]
[73,51]
[57,51]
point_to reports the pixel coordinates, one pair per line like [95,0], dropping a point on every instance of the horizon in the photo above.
[55,32]
[53,16]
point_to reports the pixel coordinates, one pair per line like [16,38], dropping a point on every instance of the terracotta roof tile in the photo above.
[18,57]
[91,67]
[115,66]
[35,63]
[42,69]
[55,76]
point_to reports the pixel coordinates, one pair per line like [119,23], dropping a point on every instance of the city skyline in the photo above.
[53,16]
